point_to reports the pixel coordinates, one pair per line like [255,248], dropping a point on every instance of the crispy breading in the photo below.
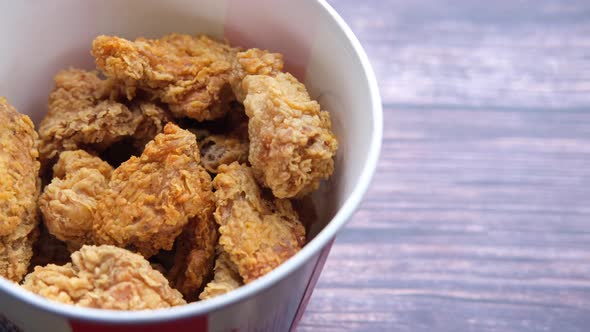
[253,61]
[190,73]
[104,277]
[226,278]
[195,253]
[81,115]
[20,168]
[68,203]
[73,161]
[19,190]
[152,197]
[292,146]
[257,231]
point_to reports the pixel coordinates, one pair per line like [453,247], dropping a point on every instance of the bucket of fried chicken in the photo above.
[179,165]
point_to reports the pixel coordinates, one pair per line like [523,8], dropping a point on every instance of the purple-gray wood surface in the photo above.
[478,218]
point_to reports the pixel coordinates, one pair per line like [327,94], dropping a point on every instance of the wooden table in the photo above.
[478,218]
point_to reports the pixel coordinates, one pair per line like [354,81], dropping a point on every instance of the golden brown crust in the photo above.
[258,233]
[19,189]
[226,278]
[152,197]
[190,73]
[73,161]
[81,115]
[68,203]
[253,61]
[195,253]
[291,142]
[104,277]
[20,168]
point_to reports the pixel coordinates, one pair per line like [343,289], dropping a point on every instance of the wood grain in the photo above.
[478,217]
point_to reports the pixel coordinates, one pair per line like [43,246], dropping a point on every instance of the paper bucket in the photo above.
[41,37]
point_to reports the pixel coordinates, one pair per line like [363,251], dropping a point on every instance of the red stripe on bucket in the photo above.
[193,324]
[311,285]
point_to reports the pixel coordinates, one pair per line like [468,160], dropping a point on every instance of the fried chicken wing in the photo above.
[19,190]
[257,232]
[226,278]
[291,143]
[195,254]
[151,198]
[104,277]
[190,73]
[81,115]
[68,203]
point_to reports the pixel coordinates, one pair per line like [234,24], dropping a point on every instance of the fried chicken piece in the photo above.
[195,254]
[291,142]
[81,115]
[190,73]
[253,61]
[19,190]
[104,277]
[73,161]
[68,203]
[258,232]
[19,177]
[152,197]
[16,251]
[225,280]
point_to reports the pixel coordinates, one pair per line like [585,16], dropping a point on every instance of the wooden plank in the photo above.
[464,53]
[482,221]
